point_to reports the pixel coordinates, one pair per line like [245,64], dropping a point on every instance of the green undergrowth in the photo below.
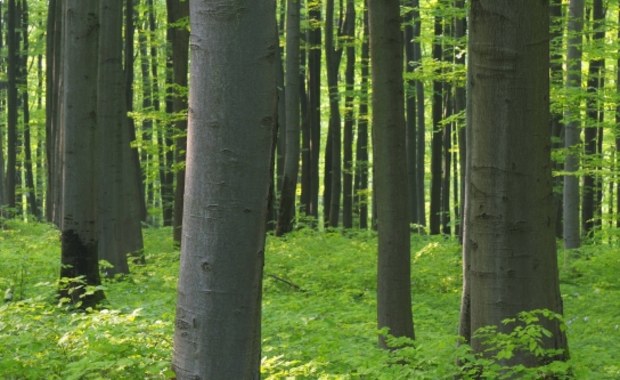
[318,313]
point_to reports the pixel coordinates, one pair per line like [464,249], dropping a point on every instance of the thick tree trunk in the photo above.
[286,214]
[509,244]
[78,122]
[232,111]
[118,211]
[390,170]
[572,129]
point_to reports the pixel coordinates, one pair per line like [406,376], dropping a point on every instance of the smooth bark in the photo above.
[390,171]
[232,111]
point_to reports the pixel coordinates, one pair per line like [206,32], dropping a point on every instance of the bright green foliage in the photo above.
[318,317]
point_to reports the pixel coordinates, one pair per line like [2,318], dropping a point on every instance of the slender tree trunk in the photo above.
[390,171]
[179,41]
[361,149]
[347,164]
[436,143]
[28,161]
[509,244]
[130,15]
[572,128]
[219,295]
[312,136]
[420,113]
[411,121]
[557,126]
[12,71]
[618,133]
[286,213]
[54,87]
[459,105]
[591,198]
[79,230]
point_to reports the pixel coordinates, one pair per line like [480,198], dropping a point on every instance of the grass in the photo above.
[318,311]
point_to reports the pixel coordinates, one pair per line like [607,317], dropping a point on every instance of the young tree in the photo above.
[78,125]
[12,70]
[571,137]
[390,169]
[291,164]
[509,244]
[232,106]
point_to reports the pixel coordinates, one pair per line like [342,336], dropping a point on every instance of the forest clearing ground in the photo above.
[318,310]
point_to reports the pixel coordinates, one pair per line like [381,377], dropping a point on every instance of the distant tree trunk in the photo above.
[130,15]
[361,149]
[571,137]
[347,164]
[78,120]
[460,104]
[411,121]
[2,180]
[420,113]
[286,213]
[54,87]
[557,127]
[333,153]
[590,203]
[118,211]
[509,244]
[436,142]
[28,161]
[312,136]
[219,294]
[12,71]
[164,135]
[179,40]
[147,123]
[618,134]
[390,171]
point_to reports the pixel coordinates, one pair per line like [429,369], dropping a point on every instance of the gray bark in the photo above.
[118,203]
[232,106]
[78,125]
[509,240]
[390,169]
[286,213]
[572,129]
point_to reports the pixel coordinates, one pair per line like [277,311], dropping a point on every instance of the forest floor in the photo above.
[318,312]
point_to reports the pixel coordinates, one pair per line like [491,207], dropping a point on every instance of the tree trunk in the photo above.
[118,212]
[557,126]
[459,105]
[179,41]
[571,137]
[390,170]
[232,108]
[421,121]
[12,71]
[436,142]
[312,136]
[286,213]
[509,244]
[79,230]
[411,121]
[361,149]
[347,164]
[28,161]
[590,209]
